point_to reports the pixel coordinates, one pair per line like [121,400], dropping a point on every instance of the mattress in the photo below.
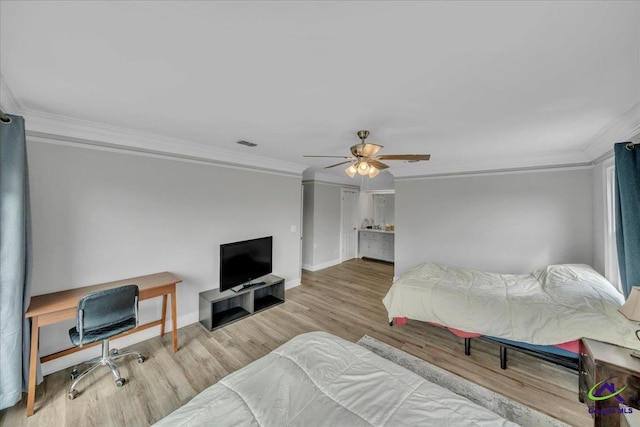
[553,305]
[319,379]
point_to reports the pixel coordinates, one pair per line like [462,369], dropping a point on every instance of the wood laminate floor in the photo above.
[344,300]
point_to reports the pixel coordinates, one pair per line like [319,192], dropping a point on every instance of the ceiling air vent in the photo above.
[247,143]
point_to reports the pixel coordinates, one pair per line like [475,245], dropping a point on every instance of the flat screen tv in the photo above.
[243,262]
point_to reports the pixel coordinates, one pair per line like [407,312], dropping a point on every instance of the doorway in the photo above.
[348,224]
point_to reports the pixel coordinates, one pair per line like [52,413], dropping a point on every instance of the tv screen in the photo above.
[242,262]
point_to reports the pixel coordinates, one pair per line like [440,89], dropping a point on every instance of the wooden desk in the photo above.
[58,306]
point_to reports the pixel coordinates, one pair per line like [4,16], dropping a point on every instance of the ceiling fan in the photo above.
[364,160]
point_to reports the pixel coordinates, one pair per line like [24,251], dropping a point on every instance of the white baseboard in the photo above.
[317,267]
[292,283]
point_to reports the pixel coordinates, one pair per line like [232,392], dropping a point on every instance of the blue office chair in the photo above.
[102,315]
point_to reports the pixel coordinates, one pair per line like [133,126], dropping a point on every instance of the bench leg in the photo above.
[503,357]
[467,346]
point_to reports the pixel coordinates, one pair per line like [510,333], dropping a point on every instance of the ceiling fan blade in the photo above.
[338,164]
[378,165]
[337,157]
[365,149]
[414,157]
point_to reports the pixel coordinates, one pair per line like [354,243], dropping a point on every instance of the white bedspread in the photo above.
[317,379]
[553,305]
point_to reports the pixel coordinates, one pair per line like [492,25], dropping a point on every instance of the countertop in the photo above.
[377,231]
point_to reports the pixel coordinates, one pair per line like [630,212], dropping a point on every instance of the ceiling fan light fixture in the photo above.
[363,168]
[365,160]
[370,150]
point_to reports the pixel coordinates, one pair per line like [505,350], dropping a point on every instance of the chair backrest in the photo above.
[103,309]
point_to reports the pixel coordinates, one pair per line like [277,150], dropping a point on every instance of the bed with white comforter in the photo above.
[556,304]
[319,379]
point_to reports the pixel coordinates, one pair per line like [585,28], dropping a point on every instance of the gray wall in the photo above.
[510,223]
[322,237]
[100,216]
[325,239]
[307,224]
[384,181]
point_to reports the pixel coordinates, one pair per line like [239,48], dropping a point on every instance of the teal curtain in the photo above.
[15,263]
[627,164]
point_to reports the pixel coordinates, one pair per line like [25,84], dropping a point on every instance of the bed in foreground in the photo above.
[553,306]
[319,379]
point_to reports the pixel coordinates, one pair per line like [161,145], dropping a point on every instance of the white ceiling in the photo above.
[479,85]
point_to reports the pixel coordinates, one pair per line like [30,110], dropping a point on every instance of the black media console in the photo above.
[218,309]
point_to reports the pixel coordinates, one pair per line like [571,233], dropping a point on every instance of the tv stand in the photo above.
[218,309]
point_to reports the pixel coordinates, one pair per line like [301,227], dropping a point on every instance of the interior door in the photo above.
[301,228]
[348,224]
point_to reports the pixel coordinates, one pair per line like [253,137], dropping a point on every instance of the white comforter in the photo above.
[553,305]
[317,379]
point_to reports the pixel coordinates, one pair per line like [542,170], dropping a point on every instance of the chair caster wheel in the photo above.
[74,374]
[120,382]
[72,394]
[141,359]
[114,352]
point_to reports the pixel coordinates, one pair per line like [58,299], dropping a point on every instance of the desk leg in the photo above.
[31,394]
[164,314]
[174,318]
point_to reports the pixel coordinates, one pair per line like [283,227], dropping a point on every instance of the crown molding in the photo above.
[311,176]
[551,168]
[42,138]
[332,184]
[61,128]
[498,164]
[621,129]
[55,127]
